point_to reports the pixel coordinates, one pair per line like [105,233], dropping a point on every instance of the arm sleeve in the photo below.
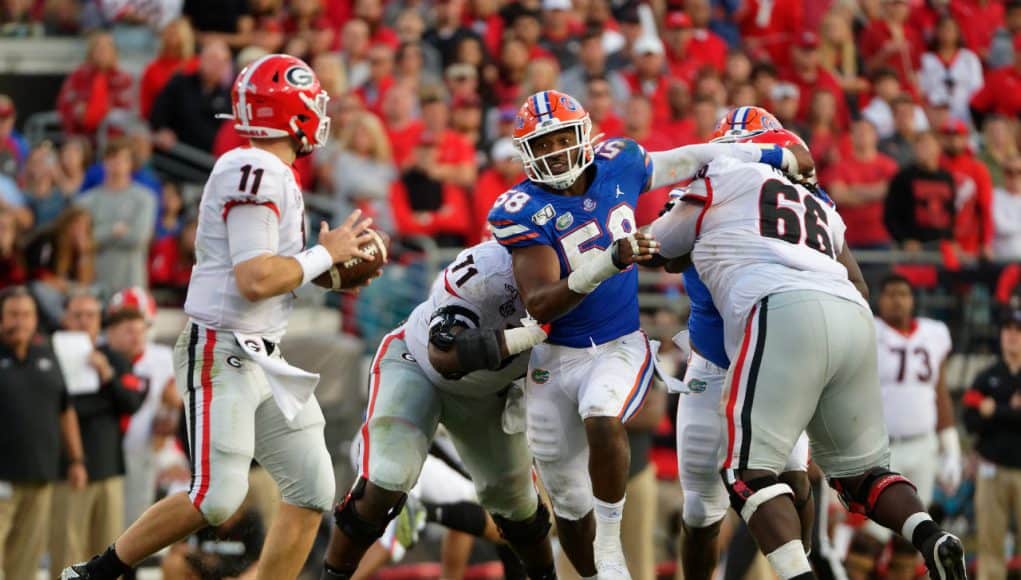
[675,229]
[682,164]
[125,388]
[252,230]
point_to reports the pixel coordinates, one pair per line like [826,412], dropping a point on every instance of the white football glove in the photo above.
[950,469]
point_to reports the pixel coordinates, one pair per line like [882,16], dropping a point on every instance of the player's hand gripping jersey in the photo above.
[243,176]
[757,234]
[478,288]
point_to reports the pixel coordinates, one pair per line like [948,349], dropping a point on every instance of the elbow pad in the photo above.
[478,348]
[443,321]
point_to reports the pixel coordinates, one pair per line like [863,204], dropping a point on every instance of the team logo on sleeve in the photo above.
[540,376]
[565,221]
[544,215]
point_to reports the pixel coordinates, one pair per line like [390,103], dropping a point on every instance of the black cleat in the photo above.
[79,571]
[944,557]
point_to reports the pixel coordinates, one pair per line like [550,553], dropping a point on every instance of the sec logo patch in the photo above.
[540,376]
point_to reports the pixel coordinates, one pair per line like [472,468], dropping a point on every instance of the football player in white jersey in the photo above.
[924,444]
[452,362]
[152,427]
[772,253]
[243,399]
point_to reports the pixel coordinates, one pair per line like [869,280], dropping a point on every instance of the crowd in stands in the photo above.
[910,107]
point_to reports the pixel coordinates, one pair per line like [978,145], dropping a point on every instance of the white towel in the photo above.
[291,386]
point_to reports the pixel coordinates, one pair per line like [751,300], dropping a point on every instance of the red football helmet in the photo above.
[744,122]
[135,298]
[781,137]
[280,96]
[546,112]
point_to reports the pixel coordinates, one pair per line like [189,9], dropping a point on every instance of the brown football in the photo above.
[356,271]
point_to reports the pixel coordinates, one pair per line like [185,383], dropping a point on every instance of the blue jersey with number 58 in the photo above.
[531,214]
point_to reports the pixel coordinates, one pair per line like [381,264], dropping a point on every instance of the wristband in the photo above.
[521,339]
[949,443]
[772,156]
[587,278]
[314,261]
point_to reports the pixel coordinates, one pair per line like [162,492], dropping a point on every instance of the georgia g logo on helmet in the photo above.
[299,76]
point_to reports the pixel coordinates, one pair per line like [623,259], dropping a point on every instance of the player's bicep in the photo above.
[535,267]
[676,230]
[252,230]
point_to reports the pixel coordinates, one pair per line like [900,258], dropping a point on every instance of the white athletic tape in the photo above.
[762,496]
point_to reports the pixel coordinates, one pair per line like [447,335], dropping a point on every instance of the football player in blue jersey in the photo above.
[571,230]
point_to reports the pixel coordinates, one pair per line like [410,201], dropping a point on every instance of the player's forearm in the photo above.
[267,276]
[550,302]
[944,406]
[682,163]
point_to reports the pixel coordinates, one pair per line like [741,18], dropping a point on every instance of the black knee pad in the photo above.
[530,531]
[354,525]
[862,499]
[747,496]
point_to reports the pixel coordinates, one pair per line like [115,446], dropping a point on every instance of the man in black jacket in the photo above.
[86,521]
[920,199]
[185,110]
[993,414]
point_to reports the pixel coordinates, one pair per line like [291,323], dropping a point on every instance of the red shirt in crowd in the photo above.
[878,33]
[1001,94]
[610,126]
[88,94]
[656,91]
[864,221]
[490,186]
[979,20]
[449,219]
[372,94]
[156,76]
[973,224]
[706,48]
[769,27]
[824,80]
[168,267]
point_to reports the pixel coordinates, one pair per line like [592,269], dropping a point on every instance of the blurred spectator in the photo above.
[329,68]
[540,75]
[592,64]
[823,129]
[12,199]
[1001,48]
[354,50]
[402,127]
[381,78]
[228,21]
[526,25]
[681,127]
[979,20]
[170,215]
[704,46]
[123,216]
[900,145]
[75,156]
[95,88]
[371,12]
[357,170]
[1001,94]
[858,185]
[560,32]
[170,262]
[140,141]
[738,70]
[886,89]
[92,518]
[447,29]
[513,65]
[185,110]
[704,112]
[920,200]
[810,77]
[785,99]
[177,54]
[155,424]
[410,28]
[649,76]
[12,263]
[424,204]
[1006,213]
[455,158]
[19,19]
[838,52]
[768,27]
[598,101]
[229,550]
[763,77]
[973,226]
[504,173]
[992,413]
[63,17]
[889,41]
[998,145]
[462,81]
[13,149]
[471,52]
[39,184]
[677,35]
[466,113]
[38,419]
[58,257]
[410,68]
[305,19]
[950,73]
